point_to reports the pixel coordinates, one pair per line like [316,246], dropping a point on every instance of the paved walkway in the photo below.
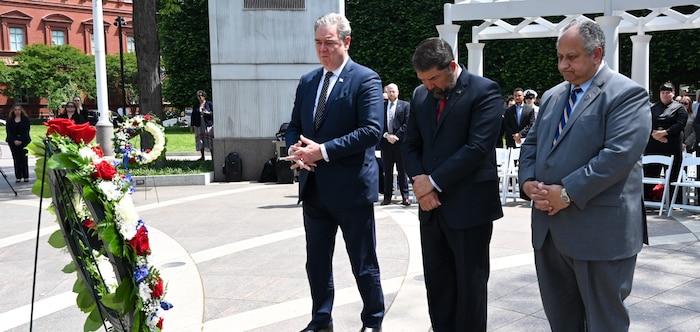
[233,256]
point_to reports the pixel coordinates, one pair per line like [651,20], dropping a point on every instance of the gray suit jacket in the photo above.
[598,160]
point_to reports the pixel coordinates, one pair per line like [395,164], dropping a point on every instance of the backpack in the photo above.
[233,167]
[268,172]
[282,131]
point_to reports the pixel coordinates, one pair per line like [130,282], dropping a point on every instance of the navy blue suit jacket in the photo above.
[458,152]
[350,130]
[398,127]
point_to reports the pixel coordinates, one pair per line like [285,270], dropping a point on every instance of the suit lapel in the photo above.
[336,92]
[552,117]
[585,101]
[455,95]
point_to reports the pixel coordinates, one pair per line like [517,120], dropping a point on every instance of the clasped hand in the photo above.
[546,198]
[304,154]
[425,192]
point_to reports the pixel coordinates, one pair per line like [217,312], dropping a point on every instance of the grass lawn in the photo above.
[178,139]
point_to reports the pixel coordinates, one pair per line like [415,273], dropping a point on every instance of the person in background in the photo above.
[450,154]
[70,111]
[668,119]
[688,131]
[530,98]
[588,218]
[335,127]
[396,117]
[518,119]
[203,124]
[17,129]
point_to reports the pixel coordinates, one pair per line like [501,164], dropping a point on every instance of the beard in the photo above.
[440,93]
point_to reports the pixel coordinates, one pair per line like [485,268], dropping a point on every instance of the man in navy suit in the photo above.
[396,118]
[450,154]
[336,124]
[518,119]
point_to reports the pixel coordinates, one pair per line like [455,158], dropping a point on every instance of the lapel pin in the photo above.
[459,92]
[340,80]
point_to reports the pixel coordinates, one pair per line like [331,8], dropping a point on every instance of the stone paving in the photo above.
[233,255]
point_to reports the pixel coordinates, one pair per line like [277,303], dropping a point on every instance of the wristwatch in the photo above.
[565,196]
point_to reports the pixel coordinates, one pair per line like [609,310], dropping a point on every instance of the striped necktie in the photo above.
[321,106]
[567,112]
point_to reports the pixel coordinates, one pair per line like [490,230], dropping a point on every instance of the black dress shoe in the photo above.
[406,202]
[386,202]
[328,328]
[371,329]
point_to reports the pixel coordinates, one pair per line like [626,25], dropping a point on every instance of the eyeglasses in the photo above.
[200,95]
[71,106]
[685,104]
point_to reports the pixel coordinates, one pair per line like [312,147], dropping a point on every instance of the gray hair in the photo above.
[339,21]
[591,33]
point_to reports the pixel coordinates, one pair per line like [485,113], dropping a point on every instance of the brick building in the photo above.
[57,22]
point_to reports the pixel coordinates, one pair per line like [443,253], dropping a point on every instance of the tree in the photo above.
[148,57]
[185,50]
[130,76]
[53,72]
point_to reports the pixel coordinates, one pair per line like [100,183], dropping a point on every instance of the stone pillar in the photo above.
[476,58]
[610,26]
[449,33]
[640,59]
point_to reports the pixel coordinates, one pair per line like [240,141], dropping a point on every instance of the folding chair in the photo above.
[666,162]
[502,158]
[511,189]
[684,184]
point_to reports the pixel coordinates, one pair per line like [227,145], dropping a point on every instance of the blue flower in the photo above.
[140,273]
[166,305]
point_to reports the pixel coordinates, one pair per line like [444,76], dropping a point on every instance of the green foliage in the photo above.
[53,72]
[131,74]
[183,28]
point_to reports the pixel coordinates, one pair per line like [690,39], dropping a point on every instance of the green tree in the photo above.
[185,51]
[130,76]
[53,72]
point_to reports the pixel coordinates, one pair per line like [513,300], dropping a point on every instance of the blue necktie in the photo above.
[567,112]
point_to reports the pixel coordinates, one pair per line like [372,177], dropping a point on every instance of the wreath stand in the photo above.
[77,237]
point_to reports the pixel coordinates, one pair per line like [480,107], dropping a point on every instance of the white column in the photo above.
[476,58]
[449,33]
[105,130]
[610,26]
[640,60]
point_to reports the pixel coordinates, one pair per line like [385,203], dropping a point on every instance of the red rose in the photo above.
[89,223]
[104,170]
[98,151]
[58,125]
[147,117]
[82,132]
[140,242]
[160,323]
[157,289]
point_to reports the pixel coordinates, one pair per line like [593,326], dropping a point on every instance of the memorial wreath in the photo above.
[101,228]
[132,127]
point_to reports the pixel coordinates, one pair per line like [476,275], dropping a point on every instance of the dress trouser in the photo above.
[391,154]
[583,295]
[456,267]
[357,225]
[20,160]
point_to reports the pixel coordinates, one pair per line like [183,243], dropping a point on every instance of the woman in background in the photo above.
[688,132]
[71,112]
[203,123]
[17,128]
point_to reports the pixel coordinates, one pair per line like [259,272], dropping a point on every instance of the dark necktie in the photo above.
[390,118]
[441,107]
[567,112]
[322,99]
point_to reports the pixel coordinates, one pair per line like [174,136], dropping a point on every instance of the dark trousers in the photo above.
[21,161]
[357,224]
[391,154]
[582,295]
[456,267]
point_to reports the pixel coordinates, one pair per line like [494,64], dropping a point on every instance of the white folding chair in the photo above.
[666,162]
[684,184]
[502,158]
[511,189]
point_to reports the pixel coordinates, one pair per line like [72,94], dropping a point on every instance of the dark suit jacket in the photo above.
[598,160]
[350,130]
[510,121]
[459,150]
[208,118]
[398,127]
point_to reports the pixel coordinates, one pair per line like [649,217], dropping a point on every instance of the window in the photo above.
[16,39]
[130,45]
[58,37]
[22,98]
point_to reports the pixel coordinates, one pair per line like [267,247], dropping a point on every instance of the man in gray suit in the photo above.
[581,166]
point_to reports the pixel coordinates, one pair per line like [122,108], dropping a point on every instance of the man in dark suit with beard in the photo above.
[518,119]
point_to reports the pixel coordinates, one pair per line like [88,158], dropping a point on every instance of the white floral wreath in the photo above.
[135,126]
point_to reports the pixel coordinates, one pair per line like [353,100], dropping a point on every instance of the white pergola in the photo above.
[616,19]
